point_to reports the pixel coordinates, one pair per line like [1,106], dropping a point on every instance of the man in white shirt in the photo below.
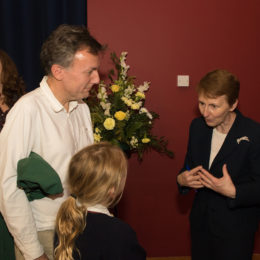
[53,122]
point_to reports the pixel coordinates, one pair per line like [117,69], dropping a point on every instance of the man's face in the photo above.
[81,75]
[215,110]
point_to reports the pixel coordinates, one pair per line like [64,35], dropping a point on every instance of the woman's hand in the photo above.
[224,185]
[191,178]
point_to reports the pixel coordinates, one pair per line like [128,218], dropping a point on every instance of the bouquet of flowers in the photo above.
[119,115]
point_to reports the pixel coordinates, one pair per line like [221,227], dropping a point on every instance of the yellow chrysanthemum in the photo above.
[115,88]
[135,106]
[97,130]
[127,101]
[140,95]
[97,138]
[146,140]
[120,115]
[109,123]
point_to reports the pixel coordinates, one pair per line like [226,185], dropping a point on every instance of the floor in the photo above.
[255,257]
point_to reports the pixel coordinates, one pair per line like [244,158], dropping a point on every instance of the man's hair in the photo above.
[220,82]
[62,44]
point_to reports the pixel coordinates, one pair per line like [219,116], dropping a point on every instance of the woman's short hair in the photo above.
[220,82]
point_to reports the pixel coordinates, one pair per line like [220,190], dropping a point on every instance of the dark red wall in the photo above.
[164,39]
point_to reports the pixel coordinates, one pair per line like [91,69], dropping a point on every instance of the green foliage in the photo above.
[119,115]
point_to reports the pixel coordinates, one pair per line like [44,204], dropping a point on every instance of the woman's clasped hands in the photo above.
[191,178]
[198,177]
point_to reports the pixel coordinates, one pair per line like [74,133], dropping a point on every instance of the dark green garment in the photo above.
[6,242]
[37,178]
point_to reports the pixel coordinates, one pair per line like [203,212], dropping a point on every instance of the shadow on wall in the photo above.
[184,202]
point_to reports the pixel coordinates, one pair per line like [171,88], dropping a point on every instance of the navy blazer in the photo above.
[241,152]
[108,238]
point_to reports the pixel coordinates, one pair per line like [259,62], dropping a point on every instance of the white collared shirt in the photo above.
[38,123]
[98,208]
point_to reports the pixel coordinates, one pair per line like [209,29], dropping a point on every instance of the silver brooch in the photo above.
[244,138]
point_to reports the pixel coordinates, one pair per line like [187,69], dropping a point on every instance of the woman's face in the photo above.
[216,111]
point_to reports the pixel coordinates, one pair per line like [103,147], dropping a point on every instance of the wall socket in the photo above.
[183,80]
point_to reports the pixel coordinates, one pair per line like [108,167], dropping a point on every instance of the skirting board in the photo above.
[255,257]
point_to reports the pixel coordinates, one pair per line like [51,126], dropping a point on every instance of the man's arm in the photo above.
[16,141]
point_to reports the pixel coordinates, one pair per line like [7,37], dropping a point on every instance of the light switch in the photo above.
[183,80]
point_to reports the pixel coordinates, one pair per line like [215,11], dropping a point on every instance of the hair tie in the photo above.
[76,200]
[73,196]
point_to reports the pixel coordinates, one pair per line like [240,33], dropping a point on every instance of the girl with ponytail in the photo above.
[84,226]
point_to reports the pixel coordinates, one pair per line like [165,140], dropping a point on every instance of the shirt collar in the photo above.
[99,209]
[55,104]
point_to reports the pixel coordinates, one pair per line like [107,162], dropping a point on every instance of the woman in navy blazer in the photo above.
[223,165]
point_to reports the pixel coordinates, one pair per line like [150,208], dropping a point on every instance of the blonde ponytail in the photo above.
[71,221]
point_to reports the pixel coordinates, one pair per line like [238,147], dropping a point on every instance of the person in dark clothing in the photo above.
[222,164]
[85,228]
[12,86]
